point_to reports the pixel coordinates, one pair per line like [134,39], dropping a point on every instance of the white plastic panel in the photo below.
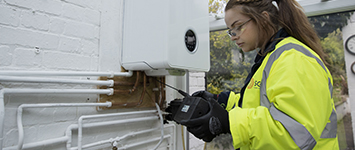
[154,35]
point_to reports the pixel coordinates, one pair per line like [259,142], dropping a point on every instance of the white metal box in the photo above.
[165,35]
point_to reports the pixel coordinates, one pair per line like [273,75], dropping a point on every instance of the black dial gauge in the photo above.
[190,40]
[350,44]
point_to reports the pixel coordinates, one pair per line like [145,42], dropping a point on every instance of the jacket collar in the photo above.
[270,46]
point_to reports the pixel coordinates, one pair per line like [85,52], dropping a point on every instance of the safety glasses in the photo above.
[237,31]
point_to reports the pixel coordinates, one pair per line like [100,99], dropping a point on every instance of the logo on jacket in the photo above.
[254,83]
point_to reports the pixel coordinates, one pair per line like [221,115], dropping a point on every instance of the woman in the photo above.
[286,102]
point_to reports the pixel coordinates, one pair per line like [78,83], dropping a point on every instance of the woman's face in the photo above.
[242,30]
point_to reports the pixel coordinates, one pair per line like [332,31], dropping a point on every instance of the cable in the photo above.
[162,127]
[182,137]
[167,84]
[180,91]
[185,95]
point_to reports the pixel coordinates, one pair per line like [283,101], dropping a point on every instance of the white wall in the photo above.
[349,59]
[65,35]
[197,83]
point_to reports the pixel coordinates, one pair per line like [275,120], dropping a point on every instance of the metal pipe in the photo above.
[2,116]
[68,134]
[162,127]
[40,143]
[141,143]
[133,104]
[144,90]
[136,83]
[21,107]
[118,139]
[58,91]
[64,73]
[89,125]
[52,80]
[123,83]
[133,88]
[80,121]
[10,73]
[96,124]
[41,91]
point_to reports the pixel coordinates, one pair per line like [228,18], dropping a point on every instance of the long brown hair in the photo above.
[289,15]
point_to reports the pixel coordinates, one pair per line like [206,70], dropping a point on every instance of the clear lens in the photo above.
[237,30]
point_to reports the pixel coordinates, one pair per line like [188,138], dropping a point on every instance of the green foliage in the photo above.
[326,24]
[333,47]
[216,6]
[229,65]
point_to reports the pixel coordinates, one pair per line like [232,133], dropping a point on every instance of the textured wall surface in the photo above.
[75,36]
[197,83]
[50,34]
[348,31]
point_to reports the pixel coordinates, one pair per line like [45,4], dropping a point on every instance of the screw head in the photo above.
[37,50]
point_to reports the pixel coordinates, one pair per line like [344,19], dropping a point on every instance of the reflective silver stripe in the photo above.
[297,131]
[330,130]
[330,87]
[300,135]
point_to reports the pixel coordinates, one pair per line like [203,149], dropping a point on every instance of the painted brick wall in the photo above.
[64,35]
[348,31]
[197,83]
[43,30]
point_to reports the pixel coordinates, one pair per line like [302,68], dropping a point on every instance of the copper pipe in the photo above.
[161,100]
[144,88]
[130,90]
[164,93]
[128,105]
[135,85]
[141,98]
[120,83]
[122,91]
[153,99]
[150,97]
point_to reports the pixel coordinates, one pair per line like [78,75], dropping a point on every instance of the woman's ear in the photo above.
[266,15]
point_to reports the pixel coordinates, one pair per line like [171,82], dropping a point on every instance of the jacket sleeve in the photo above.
[298,87]
[228,100]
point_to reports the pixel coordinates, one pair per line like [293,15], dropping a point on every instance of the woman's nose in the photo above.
[234,38]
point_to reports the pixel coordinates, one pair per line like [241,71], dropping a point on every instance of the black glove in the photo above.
[205,95]
[172,109]
[208,126]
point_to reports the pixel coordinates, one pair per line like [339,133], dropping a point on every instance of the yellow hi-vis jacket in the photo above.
[288,103]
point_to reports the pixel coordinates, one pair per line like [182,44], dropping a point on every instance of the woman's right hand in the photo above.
[205,95]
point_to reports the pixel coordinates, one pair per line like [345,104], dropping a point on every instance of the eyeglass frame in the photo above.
[230,33]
